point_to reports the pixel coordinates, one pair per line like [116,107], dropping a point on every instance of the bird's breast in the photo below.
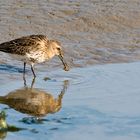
[33,57]
[36,57]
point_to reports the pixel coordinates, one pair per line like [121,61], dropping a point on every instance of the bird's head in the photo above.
[57,49]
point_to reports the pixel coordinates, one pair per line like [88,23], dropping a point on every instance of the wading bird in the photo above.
[33,49]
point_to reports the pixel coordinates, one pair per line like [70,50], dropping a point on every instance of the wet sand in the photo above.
[101,100]
[91,31]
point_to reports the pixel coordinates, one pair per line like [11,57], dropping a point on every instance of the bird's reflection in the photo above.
[33,101]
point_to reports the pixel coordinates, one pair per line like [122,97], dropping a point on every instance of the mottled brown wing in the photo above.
[21,45]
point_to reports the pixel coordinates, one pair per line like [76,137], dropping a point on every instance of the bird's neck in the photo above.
[50,53]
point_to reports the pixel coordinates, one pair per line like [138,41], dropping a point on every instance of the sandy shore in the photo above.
[91,31]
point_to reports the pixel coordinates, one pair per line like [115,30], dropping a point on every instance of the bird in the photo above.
[33,101]
[34,49]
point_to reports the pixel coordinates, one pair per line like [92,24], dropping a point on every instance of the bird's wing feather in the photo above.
[22,45]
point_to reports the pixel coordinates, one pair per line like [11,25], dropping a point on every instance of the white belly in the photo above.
[30,58]
[18,57]
[38,57]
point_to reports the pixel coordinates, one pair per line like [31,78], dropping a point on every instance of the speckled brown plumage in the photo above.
[23,45]
[33,49]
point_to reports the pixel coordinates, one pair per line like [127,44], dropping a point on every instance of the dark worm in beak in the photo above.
[66,67]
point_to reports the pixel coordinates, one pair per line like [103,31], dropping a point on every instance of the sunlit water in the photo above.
[100,102]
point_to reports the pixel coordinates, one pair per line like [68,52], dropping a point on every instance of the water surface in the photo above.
[99,102]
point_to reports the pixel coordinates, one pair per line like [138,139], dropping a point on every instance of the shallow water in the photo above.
[95,102]
[100,102]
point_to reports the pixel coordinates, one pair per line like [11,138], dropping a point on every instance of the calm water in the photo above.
[100,102]
[88,102]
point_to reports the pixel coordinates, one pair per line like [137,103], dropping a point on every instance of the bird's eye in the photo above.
[58,49]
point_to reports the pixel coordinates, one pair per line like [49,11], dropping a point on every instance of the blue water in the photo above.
[101,102]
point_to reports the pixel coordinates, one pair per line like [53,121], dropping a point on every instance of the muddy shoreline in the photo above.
[91,31]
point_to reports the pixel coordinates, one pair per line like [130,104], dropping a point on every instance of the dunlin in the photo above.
[33,49]
[33,101]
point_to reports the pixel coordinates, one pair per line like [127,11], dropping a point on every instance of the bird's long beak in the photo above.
[66,67]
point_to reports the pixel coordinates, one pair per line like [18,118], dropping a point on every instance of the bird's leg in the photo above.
[24,68]
[32,68]
[24,79]
[24,74]
[33,81]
